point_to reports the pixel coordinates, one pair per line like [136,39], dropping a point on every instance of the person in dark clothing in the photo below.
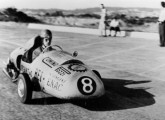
[161,21]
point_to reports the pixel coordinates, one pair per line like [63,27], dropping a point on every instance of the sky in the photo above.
[76,4]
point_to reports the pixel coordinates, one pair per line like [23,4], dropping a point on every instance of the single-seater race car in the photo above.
[55,72]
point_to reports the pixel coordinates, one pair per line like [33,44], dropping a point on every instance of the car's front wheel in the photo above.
[24,88]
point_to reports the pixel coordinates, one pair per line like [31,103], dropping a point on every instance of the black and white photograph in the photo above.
[82,59]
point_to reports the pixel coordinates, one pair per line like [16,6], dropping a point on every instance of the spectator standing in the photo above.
[102,25]
[114,26]
[161,21]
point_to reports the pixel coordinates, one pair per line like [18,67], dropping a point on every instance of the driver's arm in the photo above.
[47,49]
[36,53]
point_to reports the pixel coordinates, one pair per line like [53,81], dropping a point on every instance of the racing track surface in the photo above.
[132,72]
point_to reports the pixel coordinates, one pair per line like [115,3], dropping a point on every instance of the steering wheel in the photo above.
[57,46]
[52,46]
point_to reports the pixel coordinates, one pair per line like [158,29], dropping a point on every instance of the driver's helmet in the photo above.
[46,34]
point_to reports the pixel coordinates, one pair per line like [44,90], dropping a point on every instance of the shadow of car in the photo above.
[117,97]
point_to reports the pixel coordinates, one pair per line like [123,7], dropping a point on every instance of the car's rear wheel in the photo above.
[24,88]
[97,73]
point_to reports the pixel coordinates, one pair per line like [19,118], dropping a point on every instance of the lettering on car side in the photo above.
[62,71]
[49,62]
[55,82]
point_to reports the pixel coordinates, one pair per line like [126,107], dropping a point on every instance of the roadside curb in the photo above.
[144,35]
[64,29]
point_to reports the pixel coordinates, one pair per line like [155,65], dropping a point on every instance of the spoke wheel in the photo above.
[24,88]
[21,88]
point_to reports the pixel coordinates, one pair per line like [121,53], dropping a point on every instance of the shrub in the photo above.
[57,13]
[88,15]
[17,16]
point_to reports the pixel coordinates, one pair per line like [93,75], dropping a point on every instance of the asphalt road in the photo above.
[132,72]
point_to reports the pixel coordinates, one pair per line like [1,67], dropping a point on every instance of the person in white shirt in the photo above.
[161,21]
[114,26]
[102,26]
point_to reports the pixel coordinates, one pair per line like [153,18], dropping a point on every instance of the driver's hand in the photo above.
[47,49]
[50,48]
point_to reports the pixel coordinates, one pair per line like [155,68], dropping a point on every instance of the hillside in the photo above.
[132,19]
[140,12]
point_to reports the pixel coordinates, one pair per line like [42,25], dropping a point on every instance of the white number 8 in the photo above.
[87,84]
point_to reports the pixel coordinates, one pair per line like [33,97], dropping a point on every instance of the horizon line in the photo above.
[84,8]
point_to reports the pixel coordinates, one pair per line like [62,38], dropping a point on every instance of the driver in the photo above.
[36,45]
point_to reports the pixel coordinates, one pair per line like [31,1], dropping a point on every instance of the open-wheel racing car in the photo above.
[55,72]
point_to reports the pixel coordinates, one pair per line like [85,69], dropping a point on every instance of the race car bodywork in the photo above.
[57,73]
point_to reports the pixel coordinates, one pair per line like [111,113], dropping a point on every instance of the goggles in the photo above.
[46,39]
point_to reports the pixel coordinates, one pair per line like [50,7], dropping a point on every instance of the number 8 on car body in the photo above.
[86,85]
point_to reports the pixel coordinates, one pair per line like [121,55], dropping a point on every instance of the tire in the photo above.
[97,73]
[24,88]
[19,61]
[12,71]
